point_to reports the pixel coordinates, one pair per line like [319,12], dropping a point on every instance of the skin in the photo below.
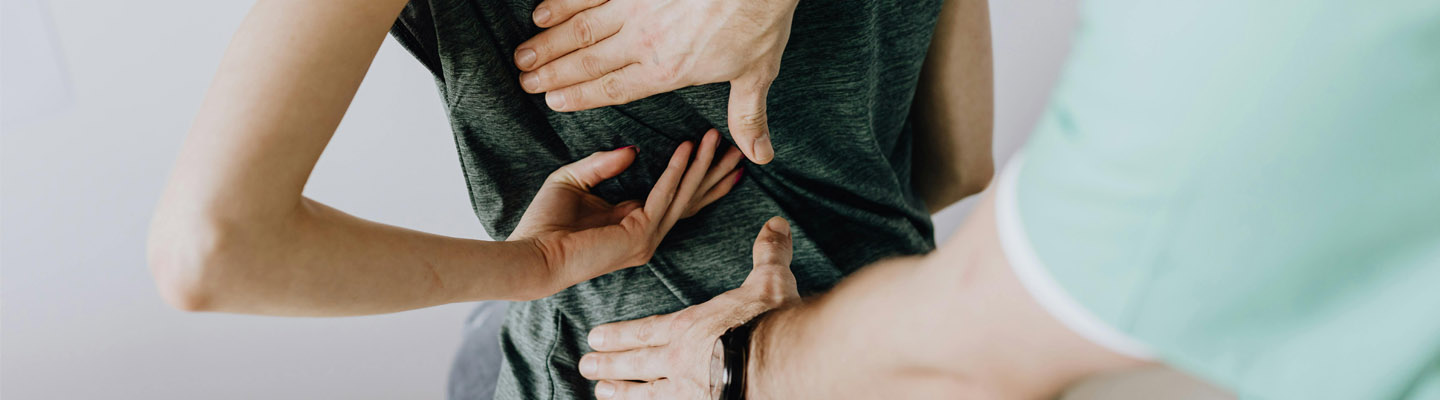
[979,335]
[234,233]
[669,356]
[983,338]
[597,53]
[953,112]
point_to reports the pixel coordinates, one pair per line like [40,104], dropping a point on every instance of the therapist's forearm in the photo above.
[878,336]
[841,346]
[956,323]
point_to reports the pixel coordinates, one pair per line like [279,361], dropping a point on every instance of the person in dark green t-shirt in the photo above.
[1246,191]
[852,163]
[845,168]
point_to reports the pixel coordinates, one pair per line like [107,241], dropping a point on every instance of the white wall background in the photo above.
[83,162]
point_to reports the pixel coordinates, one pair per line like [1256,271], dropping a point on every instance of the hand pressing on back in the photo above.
[598,53]
[675,356]
[581,236]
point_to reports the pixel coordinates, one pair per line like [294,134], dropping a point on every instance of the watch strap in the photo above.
[736,345]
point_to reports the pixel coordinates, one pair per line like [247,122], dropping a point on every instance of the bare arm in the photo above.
[953,111]
[234,233]
[956,323]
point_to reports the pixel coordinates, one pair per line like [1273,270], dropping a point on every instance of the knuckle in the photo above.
[766,289]
[767,249]
[612,88]
[753,119]
[584,29]
[634,363]
[773,295]
[682,321]
[645,334]
[575,96]
[545,75]
[770,292]
[767,262]
[604,365]
[590,66]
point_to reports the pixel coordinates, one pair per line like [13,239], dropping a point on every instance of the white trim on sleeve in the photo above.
[1037,279]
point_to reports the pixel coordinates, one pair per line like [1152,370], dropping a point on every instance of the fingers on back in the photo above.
[595,168]
[625,335]
[554,12]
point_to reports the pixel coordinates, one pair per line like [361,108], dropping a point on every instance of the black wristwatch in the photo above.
[732,356]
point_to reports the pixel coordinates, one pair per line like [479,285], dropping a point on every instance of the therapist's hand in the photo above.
[599,53]
[579,236]
[669,356]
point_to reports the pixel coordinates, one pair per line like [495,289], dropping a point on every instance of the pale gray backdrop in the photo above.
[97,96]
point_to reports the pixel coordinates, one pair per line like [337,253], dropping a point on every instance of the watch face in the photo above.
[719,377]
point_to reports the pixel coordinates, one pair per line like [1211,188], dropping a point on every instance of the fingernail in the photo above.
[542,14]
[525,58]
[763,152]
[604,390]
[556,100]
[739,173]
[530,81]
[596,338]
[588,366]
[622,148]
[779,226]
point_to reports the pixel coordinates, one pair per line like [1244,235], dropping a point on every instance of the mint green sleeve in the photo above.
[1251,189]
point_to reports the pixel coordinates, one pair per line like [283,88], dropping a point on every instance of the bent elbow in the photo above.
[180,285]
[179,277]
[977,179]
[183,258]
[183,295]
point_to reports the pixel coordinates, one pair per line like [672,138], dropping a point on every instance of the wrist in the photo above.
[534,277]
[762,359]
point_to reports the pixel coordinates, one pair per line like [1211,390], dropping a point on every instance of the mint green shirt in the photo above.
[1251,189]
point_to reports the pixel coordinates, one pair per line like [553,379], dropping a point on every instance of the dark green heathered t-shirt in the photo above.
[841,173]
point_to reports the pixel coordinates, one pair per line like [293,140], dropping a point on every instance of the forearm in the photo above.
[321,261]
[233,232]
[953,110]
[956,323]
[867,339]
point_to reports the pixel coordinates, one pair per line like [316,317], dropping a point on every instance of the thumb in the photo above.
[771,277]
[749,125]
[596,168]
[769,285]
